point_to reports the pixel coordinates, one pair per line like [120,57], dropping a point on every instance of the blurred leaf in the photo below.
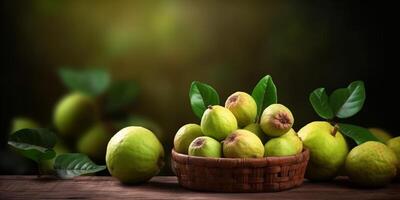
[74,164]
[89,81]
[121,94]
[264,93]
[346,102]
[357,133]
[35,144]
[320,102]
[202,95]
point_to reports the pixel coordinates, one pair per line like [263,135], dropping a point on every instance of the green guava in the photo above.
[134,155]
[185,135]
[242,144]
[19,123]
[218,122]
[371,164]
[94,141]
[328,150]
[256,129]
[394,145]
[243,106]
[292,135]
[276,120]
[380,134]
[74,114]
[285,145]
[205,147]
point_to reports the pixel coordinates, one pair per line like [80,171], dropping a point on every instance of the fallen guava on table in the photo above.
[134,155]
[328,150]
[371,164]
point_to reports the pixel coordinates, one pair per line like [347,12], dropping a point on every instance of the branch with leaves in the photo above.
[343,103]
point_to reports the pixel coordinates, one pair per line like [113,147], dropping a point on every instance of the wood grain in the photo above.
[92,187]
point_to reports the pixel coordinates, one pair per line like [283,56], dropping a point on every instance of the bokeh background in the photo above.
[165,45]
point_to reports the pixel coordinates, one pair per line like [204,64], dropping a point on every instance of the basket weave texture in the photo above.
[268,174]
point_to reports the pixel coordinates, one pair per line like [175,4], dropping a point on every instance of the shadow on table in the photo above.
[343,182]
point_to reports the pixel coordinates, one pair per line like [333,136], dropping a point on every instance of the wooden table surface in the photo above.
[166,187]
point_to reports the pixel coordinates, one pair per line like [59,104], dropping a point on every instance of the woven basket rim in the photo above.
[239,162]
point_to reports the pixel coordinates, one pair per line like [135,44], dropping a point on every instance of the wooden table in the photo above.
[166,187]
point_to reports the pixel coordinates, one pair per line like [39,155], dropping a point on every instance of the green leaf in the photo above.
[346,102]
[202,95]
[264,93]
[35,144]
[320,102]
[357,133]
[90,81]
[121,94]
[74,164]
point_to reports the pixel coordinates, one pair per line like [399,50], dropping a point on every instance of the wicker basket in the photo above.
[269,174]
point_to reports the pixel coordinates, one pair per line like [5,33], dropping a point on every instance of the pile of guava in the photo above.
[370,164]
[233,131]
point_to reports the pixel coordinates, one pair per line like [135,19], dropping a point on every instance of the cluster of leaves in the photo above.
[38,144]
[343,103]
[202,95]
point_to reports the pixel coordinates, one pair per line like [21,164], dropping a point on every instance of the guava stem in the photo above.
[335,129]
[209,106]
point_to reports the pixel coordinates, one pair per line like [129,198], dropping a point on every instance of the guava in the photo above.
[218,122]
[256,129]
[285,145]
[380,134]
[205,147]
[19,123]
[394,145]
[134,155]
[75,113]
[371,164]
[328,150]
[292,135]
[242,144]
[94,141]
[276,120]
[243,106]
[185,135]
